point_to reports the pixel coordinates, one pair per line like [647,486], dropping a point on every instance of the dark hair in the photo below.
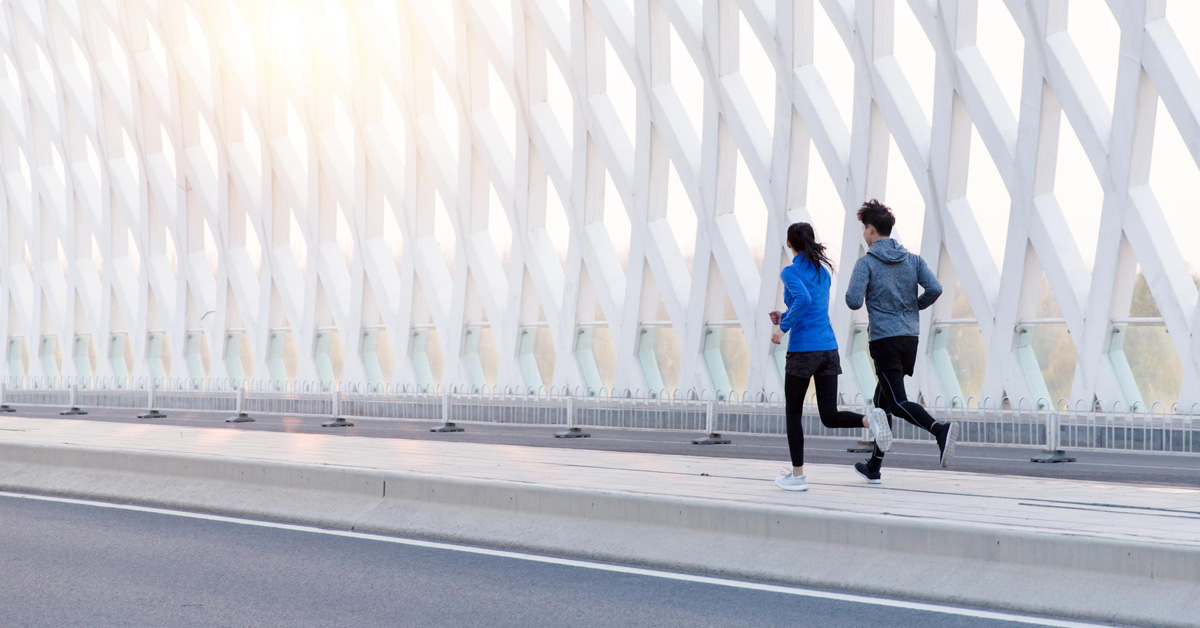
[877,215]
[803,241]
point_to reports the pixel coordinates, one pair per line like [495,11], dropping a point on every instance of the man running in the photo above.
[887,277]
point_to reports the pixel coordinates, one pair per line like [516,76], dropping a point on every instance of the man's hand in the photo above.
[777,336]
[775,317]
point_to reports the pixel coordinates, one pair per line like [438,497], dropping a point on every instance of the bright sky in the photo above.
[1077,189]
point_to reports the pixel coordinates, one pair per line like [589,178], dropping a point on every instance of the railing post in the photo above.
[4,407]
[338,419]
[74,406]
[240,416]
[151,397]
[447,425]
[1052,453]
[710,420]
[572,431]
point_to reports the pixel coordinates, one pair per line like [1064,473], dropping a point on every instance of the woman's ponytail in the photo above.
[803,240]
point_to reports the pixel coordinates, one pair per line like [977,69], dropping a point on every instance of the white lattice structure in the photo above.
[486,191]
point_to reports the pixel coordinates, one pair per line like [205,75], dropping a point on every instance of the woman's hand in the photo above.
[777,336]
[776,316]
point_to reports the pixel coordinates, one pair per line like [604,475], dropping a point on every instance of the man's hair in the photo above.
[877,215]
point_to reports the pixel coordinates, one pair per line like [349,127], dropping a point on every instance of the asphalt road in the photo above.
[65,565]
[1158,469]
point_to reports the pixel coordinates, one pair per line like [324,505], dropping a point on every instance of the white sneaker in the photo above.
[880,431]
[789,482]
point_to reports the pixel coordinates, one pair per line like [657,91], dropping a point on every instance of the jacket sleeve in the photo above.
[795,285]
[858,284]
[928,281]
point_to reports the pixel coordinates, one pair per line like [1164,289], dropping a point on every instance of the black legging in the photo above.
[891,398]
[794,390]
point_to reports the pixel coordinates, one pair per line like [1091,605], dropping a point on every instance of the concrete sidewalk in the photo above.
[1103,551]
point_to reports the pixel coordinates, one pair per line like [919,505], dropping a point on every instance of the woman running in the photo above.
[812,352]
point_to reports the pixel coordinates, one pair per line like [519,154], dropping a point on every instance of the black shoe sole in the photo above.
[868,479]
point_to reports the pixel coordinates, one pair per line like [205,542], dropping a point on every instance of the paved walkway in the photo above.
[1148,513]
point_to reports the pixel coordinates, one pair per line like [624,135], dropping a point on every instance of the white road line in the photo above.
[583,564]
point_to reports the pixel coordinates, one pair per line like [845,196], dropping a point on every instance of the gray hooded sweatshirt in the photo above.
[888,276]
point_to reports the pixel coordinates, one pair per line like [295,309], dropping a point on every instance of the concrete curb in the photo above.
[1027,571]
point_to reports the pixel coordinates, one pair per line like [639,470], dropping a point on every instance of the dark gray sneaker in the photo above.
[946,438]
[872,477]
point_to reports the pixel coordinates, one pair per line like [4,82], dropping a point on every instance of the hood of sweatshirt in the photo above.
[888,251]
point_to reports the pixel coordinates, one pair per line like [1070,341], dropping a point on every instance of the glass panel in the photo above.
[84,356]
[659,354]
[1142,304]
[736,354]
[1056,358]
[427,357]
[122,355]
[605,351]
[480,355]
[330,356]
[284,358]
[959,350]
[1154,364]
[384,353]
[197,355]
[968,354]
[158,353]
[51,356]
[18,357]
[597,357]
[536,357]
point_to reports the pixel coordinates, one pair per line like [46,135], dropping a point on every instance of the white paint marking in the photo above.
[583,564]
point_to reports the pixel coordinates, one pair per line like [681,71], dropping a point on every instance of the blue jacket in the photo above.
[806,294]
[887,278]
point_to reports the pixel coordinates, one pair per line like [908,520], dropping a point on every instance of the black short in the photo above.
[806,364]
[898,353]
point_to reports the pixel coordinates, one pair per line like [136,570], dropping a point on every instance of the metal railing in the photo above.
[1023,423]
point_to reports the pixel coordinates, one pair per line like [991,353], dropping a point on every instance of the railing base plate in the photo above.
[72,412]
[712,439]
[153,414]
[338,422]
[1050,457]
[447,429]
[241,418]
[572,432]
